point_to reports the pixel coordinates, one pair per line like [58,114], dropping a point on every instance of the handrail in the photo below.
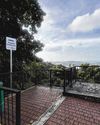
[10,106]
[10,89]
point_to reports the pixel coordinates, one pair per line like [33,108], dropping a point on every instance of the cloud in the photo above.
[62,45]
[53,48]
[72,49]
[52,26]
[47,29]
[86,23]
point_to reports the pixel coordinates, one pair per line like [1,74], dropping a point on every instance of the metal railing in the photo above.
[10,107]
[10,112]
[69,78]
[87,74]
[49,77]
[20,79]
[25,79]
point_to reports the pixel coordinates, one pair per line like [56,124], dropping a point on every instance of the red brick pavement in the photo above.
[75,111]
[35,101]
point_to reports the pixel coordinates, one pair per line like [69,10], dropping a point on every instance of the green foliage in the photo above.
[58,67]
[40,73]
[14,14]
[57,74]
[20,19]
[88,73]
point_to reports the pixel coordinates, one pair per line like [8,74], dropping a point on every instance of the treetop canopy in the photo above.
[16,13]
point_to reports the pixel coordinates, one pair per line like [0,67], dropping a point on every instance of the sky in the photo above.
[70,30]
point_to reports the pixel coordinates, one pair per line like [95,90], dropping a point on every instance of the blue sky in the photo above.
[70,30]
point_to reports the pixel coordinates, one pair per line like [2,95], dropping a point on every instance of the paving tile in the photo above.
[35,101]
[74,111]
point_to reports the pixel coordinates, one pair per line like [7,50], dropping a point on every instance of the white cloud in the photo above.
[51,27]
[75,43]
[72,49]
[47,29]
[58,42]
[85,23]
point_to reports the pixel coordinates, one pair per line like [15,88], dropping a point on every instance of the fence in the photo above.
[10,109]
[9,106]
[86,74]
[20,79]
[25,79]
[50,77]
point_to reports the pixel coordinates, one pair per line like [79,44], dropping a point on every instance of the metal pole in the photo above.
[50,78]
[64,87]
[18,108]
[10,68]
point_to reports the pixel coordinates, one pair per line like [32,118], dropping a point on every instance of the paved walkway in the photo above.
[72,111]
[75,111]
[35,101]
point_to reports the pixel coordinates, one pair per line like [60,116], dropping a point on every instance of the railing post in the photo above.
[68,76]
[18,108]
[50,72]
[64,87]
[35,77]
[71,75]
[75,74]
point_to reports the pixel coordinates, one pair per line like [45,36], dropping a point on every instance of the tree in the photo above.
[14,14]
[88,73]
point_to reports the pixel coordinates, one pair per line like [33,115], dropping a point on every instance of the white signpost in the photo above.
[10,45]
